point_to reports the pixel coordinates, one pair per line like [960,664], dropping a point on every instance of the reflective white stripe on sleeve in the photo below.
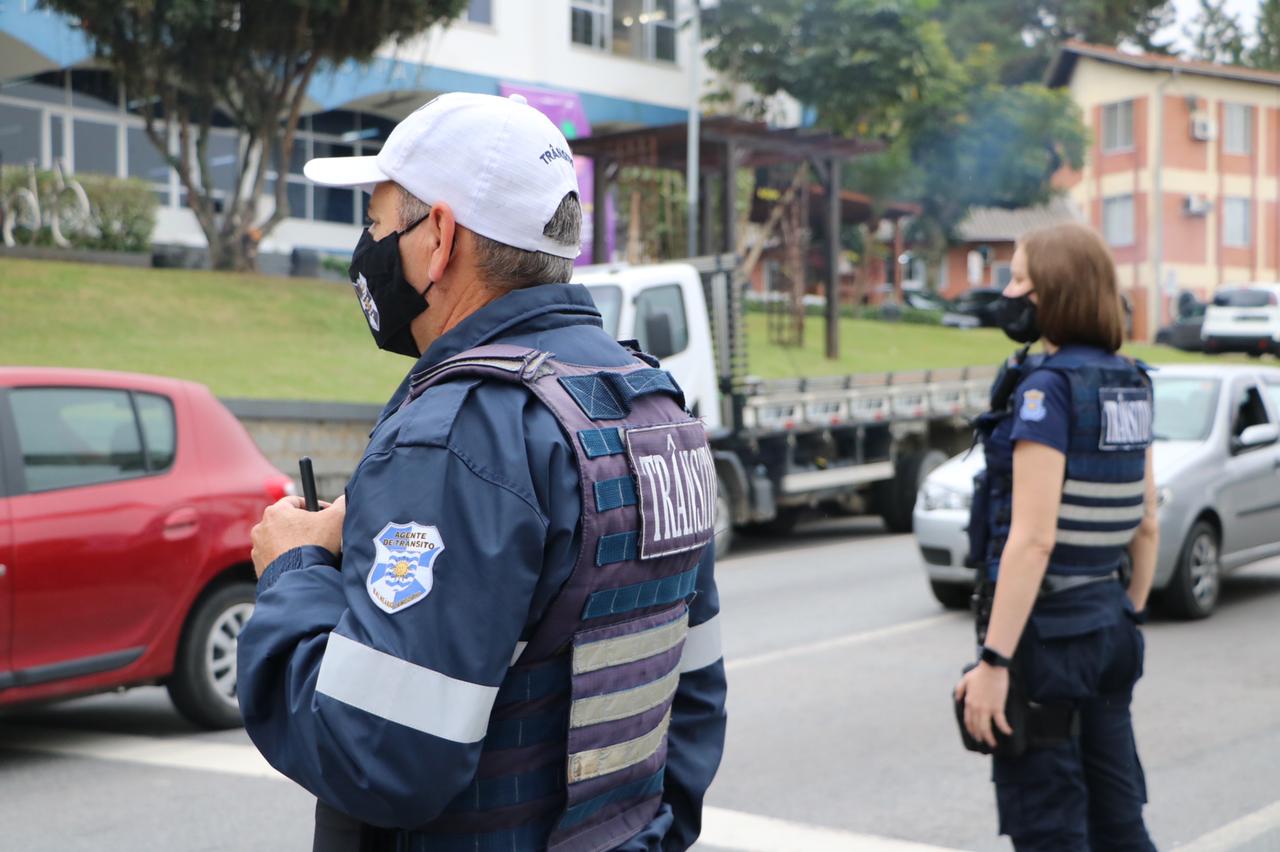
[702,646]
[515,656]
[403,692]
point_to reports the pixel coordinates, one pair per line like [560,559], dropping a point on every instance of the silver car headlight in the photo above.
[935,496]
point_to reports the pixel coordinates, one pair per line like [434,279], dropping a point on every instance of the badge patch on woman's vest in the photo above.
[1127,418]
[1033,406]
[402,575]
[677,487]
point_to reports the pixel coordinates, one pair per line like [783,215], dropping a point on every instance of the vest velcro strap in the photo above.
[641,595]
[528,730]
[641,788]
[613,706]
[586,765]
[619,547]
[601,442]
[506,791]
[608,395]
[615,493]
[539,682]
[593,656]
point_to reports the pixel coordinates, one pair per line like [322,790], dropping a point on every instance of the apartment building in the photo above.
[591,64]
[1183,175]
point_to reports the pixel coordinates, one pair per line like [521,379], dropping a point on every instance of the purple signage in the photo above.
[566,110]
[676,487]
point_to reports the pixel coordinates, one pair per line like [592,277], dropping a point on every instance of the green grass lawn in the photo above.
[871,346]
[269,337]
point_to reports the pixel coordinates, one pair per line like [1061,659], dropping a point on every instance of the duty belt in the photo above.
[1052,584]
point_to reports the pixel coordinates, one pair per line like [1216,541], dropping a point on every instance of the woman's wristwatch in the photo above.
[994,658]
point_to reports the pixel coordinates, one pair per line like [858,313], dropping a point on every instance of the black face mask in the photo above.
[1017,317]
[390,303]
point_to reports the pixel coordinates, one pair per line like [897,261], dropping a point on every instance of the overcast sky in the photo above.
[1245,10]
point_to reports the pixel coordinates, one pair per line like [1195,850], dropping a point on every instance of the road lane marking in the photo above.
[724,829]
[844,641]
[742,832]
[1237,833]
[169,752]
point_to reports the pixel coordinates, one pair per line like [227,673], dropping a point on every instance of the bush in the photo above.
[122,212]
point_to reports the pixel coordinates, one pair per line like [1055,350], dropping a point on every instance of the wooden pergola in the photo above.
[727,144]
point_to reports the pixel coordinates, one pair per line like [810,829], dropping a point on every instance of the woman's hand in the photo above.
[984,689]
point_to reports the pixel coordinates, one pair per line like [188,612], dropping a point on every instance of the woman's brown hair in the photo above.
[1074,278]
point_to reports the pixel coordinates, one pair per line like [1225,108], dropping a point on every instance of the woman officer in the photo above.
[1069,488]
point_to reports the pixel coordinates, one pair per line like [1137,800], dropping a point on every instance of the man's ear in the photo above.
[444,227]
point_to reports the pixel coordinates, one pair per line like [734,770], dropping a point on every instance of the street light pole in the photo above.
[693,149]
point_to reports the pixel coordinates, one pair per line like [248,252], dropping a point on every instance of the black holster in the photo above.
[1034,725]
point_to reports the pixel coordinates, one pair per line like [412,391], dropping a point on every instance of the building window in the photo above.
[1117,127]
[1236,227]
[95,147]
[589,21]
[638,29]
[1237,132]
[480,11]
[19,135]
[1117,220]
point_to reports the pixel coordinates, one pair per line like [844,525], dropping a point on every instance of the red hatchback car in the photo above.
[125,508]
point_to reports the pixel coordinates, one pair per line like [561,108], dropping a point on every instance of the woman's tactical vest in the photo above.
[576,746]
[1103,492]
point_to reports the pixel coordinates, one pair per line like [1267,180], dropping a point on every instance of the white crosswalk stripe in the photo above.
[722,829]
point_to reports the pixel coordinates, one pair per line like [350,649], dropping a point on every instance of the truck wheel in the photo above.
[203,685]
[952,595]
[1193,591]
[724,519]
[896,498]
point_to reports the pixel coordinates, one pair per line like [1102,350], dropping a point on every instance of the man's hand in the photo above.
[984,690]
[286,525]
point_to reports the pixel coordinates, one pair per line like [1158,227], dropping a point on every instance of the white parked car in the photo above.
[1244,318]
[1217,466]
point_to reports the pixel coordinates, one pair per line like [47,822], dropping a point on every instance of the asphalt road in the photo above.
[840,732]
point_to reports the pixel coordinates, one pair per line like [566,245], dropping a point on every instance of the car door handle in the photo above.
[180,524]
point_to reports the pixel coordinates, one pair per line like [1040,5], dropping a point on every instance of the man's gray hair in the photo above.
[505,267]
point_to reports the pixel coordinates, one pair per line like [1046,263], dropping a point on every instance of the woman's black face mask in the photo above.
[390,303]
[1017,317]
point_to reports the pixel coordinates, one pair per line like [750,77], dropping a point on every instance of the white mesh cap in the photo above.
[502,166]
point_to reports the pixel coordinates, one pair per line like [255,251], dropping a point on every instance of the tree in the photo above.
[193,64]
[1215,34]
[1025,34]
[1265,53]
[955,135]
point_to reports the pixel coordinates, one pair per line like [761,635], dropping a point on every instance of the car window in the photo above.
[1250,409]
[1272,389]
[158,432]
[608,300]
[655,302]
[76,436]
[1244,298]
[1184,408]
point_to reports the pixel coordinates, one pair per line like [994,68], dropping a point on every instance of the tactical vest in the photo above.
[576,746]
[1103,491]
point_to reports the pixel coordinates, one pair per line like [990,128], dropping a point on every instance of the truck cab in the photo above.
[663,307]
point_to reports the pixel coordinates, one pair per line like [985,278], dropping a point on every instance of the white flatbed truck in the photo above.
[857,443]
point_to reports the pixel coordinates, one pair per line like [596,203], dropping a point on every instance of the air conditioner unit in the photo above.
[1196,205]
[1202,128]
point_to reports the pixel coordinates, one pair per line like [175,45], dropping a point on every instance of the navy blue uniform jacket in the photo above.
[380,714]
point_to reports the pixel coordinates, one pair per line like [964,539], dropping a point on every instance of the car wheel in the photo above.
[203,686]
[952,595]
[1193,591]
[724,519]
[896,498]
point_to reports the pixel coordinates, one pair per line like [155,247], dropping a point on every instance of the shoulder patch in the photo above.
[1033,409]
[402,565]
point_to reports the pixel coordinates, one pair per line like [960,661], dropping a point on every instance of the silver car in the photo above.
[1217,466]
